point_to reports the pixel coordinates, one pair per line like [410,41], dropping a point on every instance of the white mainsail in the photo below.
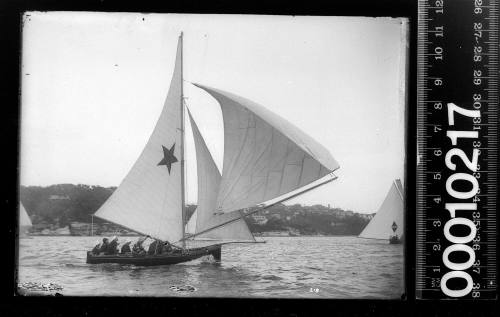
[208,187]
[24,219]
[265,156]
[149,200]
[391,211]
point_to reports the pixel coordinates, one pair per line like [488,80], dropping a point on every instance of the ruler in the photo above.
[457,149]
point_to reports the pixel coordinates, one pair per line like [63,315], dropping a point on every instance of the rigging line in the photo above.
[265,207]
[183,198]
[186,192]
[399,192]
[128,228]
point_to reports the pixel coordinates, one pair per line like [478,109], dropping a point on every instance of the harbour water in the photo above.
[325,267]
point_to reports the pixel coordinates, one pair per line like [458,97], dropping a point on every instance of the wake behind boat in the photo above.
[267,160]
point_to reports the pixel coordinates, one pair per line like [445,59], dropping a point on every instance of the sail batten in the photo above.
[391,211]
[265,156]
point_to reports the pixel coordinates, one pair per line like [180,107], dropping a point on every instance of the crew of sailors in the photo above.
[110,247]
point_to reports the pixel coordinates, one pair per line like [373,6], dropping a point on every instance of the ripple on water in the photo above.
[340,267]
[271,278]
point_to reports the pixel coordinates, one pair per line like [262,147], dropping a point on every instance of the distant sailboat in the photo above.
[388,223]
[265,158]
[24,221]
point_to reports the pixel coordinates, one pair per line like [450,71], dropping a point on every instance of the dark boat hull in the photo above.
[395,240]
[160,259]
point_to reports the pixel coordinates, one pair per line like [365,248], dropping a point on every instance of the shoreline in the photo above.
[138,235]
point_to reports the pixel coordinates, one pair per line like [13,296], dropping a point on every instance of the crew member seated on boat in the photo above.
[155,247]
[112,246]
[97,247]
[126,247]
[167,248]
[138,248]
[104,246]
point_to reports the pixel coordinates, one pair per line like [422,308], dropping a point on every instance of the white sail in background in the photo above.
[191,225]
[265,156]
[391,211]
[208,187]
[149,199]
[24,219]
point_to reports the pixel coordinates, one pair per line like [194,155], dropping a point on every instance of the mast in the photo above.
[182,149]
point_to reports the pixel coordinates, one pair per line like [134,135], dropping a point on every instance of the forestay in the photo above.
[265,156]
[208,186]
[391,210]
[149,199]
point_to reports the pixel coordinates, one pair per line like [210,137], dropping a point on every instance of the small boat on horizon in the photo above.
[267,160]
[24,222]
[388,222]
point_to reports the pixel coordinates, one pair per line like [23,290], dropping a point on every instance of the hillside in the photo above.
[59,205]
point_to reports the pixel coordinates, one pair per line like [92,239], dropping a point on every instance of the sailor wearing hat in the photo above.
[112,246]
[96,248]
[138,248]
[126,247]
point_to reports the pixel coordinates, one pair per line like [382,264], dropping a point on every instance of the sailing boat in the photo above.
[389,219]
[267,160]
[24,221]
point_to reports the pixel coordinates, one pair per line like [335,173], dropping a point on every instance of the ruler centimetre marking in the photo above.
[457,148]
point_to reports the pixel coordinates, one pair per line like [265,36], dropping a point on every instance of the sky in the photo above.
[93,86]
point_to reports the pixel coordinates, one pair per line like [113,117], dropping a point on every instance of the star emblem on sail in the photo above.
[389,218]
[149,200]
[168,157]
[266,158]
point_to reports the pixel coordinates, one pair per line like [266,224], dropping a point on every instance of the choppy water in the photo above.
[327,267]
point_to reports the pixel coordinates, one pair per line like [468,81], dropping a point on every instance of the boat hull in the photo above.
[395,240]
[159,259]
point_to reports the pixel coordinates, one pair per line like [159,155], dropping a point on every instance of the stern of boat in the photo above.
[216,252]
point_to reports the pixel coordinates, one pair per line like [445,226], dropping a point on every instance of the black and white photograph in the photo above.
[212,155]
